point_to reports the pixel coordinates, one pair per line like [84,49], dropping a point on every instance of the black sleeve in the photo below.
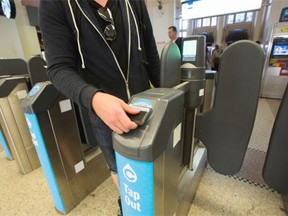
[61,52]
[150,46]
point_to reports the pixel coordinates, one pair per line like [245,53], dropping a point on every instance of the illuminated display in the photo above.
[8,8]
[280,50]
[194,9]
[284,15]
[189,50]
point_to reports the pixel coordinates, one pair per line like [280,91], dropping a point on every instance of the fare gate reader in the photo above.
[160,163]
[147,161]
[153,168]
[71,172]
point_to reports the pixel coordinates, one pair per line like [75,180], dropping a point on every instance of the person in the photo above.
[215,57]
[172,34]
[99,53]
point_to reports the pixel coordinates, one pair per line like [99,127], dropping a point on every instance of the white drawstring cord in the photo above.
[137,30]
[77,34]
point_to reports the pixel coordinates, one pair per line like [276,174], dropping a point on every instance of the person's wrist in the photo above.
[95,98]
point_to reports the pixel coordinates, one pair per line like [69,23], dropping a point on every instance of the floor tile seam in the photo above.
[246,181]
[256,150]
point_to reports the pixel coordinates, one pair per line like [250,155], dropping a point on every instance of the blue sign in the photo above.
[35,89]
[5,146]
[142,103]
[136,186]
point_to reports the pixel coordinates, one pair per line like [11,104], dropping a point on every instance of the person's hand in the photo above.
[112,111]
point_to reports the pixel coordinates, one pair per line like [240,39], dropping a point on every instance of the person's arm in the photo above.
[62,54]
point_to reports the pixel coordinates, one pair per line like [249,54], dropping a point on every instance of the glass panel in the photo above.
[184,24]
[206,22]
[249,16]
[184,34]
[198,23]
[213,21]
[230,19]
[240,17]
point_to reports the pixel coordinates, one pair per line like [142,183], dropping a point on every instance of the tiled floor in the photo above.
[245,193]
[217,195]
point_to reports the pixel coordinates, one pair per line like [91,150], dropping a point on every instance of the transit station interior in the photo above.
[207,144]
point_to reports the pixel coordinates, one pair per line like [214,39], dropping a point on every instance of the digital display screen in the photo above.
[8,8]
[189,50]
[280,50]
[195,9]
[284,15]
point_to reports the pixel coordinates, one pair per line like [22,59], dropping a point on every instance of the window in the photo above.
[183,28]
[240,17]
[184,34]
[213,21]
[204,22]
[198,23]
[249,16]
[230,19]
[184,24]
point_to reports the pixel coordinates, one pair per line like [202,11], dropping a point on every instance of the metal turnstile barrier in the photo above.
[226,128]
[157,154]
[149,163]
[71,173]
[275,170]
[8,68]
[14,128]
[155,177]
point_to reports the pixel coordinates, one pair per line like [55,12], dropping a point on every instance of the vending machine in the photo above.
[275,76]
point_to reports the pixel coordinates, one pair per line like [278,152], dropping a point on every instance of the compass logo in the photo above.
[129,173]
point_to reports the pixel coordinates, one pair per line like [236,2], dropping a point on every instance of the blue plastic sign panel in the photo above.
[5,146]
[35,89]
[136,186]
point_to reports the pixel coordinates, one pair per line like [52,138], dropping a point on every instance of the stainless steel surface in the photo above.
[15,98]
[184,86]
[167,168]
[189,182]
[209,95]
[159,185]
[65,131]
[16,131]
[7,121]
[64,147]
[195,142]
[55,159]
[177,185]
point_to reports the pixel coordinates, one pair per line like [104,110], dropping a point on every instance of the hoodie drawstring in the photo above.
[137,29]
[128,8]
[77,34]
